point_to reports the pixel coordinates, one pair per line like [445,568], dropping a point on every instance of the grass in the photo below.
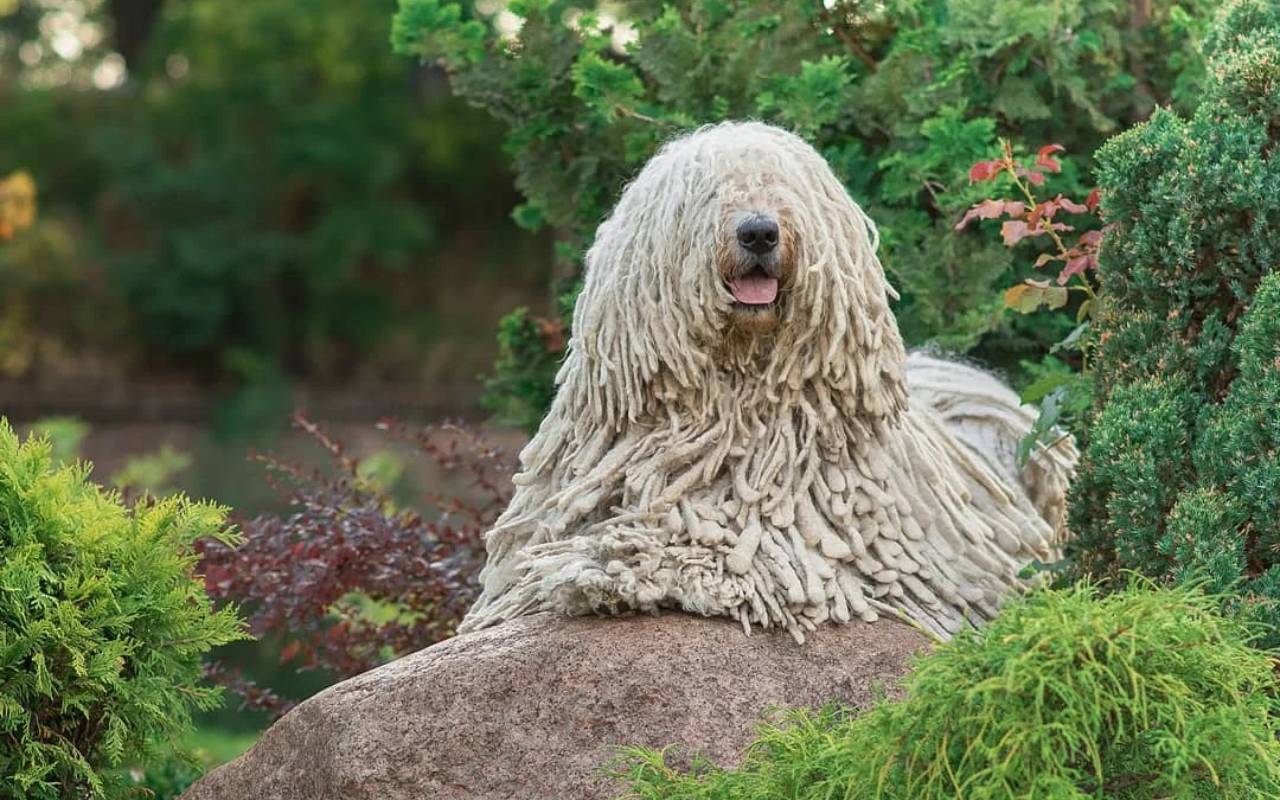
[216,746]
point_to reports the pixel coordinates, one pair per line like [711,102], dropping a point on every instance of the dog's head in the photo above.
[736,245]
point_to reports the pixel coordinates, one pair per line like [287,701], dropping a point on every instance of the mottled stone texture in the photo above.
[533,708]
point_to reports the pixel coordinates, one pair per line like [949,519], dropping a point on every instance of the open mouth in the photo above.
[754,289]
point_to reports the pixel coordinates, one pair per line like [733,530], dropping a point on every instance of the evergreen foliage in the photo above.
[901,97]
[1143,694]
[520,390]
[102,626]
[1181,476]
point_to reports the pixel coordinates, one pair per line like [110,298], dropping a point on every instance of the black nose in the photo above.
[758,234]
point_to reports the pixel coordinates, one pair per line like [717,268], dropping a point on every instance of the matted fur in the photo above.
[781,478]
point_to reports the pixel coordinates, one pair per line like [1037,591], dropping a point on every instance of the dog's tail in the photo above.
[989,419]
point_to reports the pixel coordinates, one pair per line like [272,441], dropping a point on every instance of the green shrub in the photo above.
[1067,695]
[519,390]
[901,97]
[1181,475]
[102,626]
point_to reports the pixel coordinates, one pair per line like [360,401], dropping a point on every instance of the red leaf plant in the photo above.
[1030,218]
[348,579]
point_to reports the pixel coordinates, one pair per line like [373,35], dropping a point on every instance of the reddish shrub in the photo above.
[350,580]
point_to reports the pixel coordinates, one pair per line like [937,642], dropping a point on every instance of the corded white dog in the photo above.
[739,432]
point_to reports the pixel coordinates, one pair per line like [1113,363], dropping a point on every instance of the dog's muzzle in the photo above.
[755,281]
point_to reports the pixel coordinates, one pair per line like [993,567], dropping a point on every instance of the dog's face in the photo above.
[734,238]
[756,262]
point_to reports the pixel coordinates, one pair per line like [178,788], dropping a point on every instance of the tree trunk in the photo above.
[132,22]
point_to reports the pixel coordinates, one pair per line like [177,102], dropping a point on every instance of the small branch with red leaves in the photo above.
[1030,217]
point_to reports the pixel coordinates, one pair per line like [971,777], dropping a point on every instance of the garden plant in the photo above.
[350,578]
[103,626]
[1181,477]
[1061,383]
[1068,695]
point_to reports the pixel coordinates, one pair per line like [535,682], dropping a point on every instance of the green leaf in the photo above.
[1045,428]
[1076,340]
[1038,389]
[607,88]
[529,216]
[434,29]
[811,99]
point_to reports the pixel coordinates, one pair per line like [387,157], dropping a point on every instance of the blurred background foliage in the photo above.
[248,194]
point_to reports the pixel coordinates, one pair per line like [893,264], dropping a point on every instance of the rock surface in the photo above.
[533,708]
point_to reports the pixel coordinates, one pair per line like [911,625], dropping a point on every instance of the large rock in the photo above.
[534,708]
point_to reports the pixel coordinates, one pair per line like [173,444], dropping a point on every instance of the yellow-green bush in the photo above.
[103,626]
[1067,695]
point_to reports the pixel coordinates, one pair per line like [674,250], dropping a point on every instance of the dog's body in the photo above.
[738,430]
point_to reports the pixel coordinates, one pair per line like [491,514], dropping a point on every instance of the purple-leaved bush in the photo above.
[349,579]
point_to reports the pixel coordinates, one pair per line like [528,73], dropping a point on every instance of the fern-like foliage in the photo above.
[1068,695]
[103,626]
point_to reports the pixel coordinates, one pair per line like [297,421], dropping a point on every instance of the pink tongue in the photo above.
[754,289]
